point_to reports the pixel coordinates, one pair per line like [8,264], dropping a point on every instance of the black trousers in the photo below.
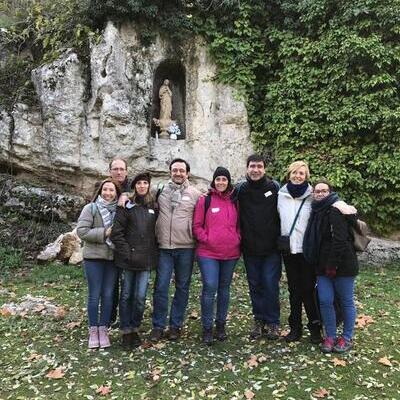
[301,282]
[114,311]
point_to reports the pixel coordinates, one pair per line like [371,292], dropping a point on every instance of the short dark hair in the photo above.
[181,160]
[324,181]
[117,159]
[255,158]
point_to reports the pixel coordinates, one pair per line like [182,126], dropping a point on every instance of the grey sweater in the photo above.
[91,230]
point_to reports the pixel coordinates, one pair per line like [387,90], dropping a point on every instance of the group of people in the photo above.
[129,229]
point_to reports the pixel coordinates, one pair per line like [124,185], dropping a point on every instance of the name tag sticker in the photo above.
[267,194]
[215,210]
[151,211]
[185,198]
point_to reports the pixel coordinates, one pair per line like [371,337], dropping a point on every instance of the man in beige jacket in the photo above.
[176,202]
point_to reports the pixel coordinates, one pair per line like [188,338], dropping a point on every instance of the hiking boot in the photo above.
[174,333]
[127,340]
[93,337]
[104,339]
[271,331]
[156,334]
[315,334]
[220,333]
[257,329]
[327,345]
[207,336]
[294,335]
[342,345]
[136,340]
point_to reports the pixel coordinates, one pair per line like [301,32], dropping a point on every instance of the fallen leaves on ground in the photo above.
[57,373]
[338,362]
[364,320]
[73,324]
[103,390]
[320,393]
[385,361]
[249,394]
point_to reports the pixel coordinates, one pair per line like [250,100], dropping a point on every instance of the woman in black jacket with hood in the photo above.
[133,235]
[328,245]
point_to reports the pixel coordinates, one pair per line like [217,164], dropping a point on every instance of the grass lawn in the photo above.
[32,346]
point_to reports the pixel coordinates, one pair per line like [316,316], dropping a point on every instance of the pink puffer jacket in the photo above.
[219,236]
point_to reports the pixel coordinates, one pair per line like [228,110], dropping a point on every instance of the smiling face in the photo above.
[108,191]
[321,191]
[118,171]
[256,170]
[179,173]
[221,183]
[298,176]
[142,187]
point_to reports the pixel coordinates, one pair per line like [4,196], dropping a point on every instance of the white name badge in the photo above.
[215,210]
[267,194]
[151,211]
[185,198]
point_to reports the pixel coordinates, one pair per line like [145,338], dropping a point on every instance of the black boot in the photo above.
[294,335]
[220,333]
[127,340]
[315,333]
[207,336]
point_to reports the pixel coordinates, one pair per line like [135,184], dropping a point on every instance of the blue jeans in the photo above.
[263,276]
[101,276]
[343,286]
[217,277]
[132,299]
[179,261]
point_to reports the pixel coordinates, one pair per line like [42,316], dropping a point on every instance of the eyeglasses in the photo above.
[322,191]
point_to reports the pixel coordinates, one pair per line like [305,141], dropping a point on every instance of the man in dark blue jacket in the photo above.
[260,228]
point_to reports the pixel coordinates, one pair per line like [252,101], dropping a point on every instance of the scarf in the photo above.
[107,211]
[297,190]
[177,191]
[312,236]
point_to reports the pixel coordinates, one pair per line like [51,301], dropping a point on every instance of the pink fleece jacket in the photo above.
[219,238]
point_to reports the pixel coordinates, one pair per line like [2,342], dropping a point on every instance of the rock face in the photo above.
[380,252]
[90,114]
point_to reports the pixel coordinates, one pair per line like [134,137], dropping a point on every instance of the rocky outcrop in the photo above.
[89,114]
[380,252]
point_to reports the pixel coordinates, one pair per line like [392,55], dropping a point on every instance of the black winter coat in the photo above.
[259,218]
[337,248]
[133,234]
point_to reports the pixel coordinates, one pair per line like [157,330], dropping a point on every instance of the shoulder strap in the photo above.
[93,208]
[160,188]
[297,215]
[207,202]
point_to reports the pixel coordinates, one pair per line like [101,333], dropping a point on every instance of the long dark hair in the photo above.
[97,193]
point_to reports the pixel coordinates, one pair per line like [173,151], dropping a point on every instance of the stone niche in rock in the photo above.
[174,73]
[89,114]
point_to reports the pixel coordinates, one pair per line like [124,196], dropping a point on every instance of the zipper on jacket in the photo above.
[170,228]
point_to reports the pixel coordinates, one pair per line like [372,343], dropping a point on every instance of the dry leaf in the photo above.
[57,373]
[252,361]
[39,308]
[155,374]
[103,390]
[194,315]
[363,320]
[34,356]
[249,394]
[385,361]
[338,362]
[5,312]
[73,324]
[60,313]
[228,367]
[159,345]
[320,393]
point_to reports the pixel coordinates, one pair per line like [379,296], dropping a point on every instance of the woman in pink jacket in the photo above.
[216,228]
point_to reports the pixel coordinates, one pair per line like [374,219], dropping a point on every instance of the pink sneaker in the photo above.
[93,337]
[103,337]
[327,345]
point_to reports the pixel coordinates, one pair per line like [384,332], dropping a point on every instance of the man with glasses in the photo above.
[176,202]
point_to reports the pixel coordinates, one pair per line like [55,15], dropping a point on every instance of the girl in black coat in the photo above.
[133,235]
[328,245]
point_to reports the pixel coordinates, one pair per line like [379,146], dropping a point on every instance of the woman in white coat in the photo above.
[294,207]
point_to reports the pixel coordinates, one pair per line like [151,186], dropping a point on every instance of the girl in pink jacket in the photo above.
[216,228]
